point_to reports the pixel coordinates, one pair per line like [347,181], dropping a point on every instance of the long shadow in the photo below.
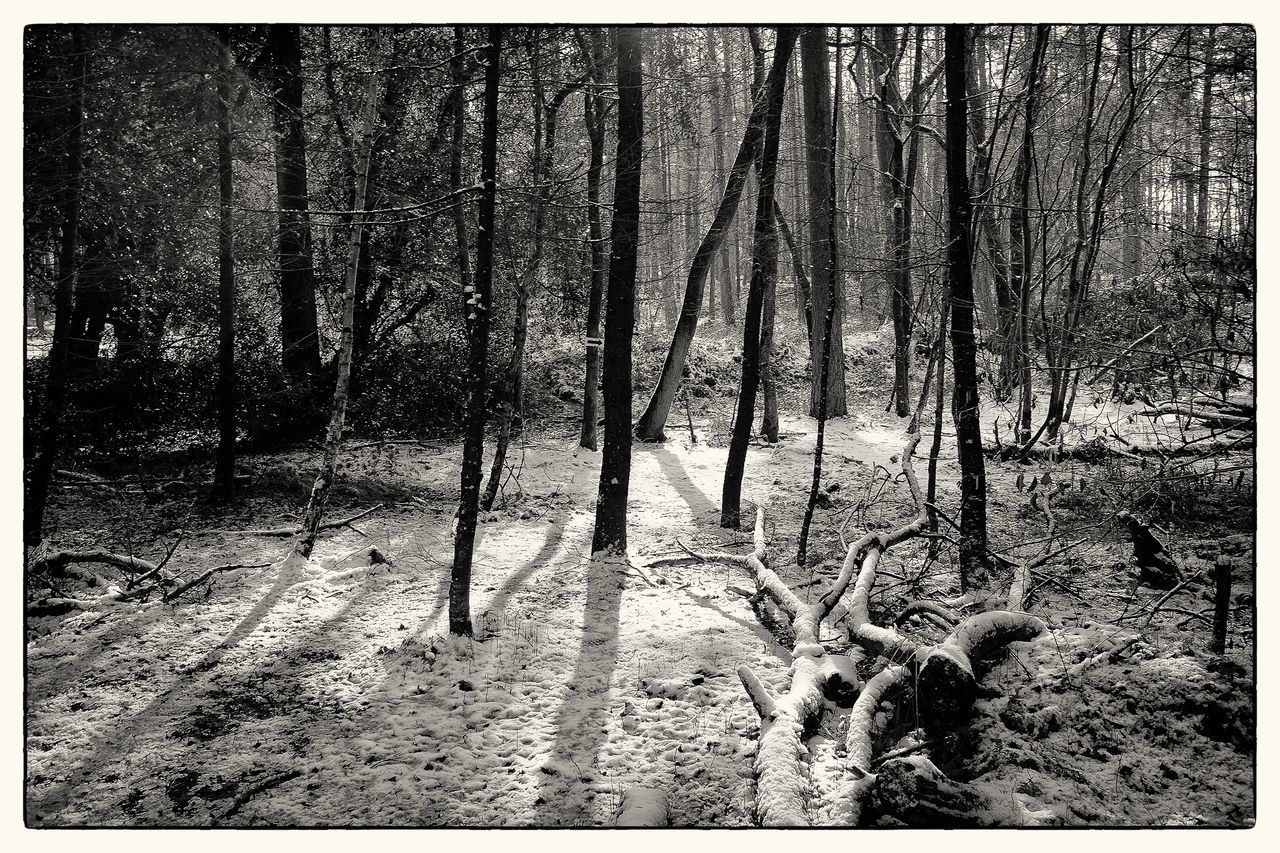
[122,738]
[682,482]
[581,722]
[550,547]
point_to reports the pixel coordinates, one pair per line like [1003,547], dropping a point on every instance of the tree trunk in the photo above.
[1206,129]
[299,338]
[1022,238]
[964,400]
[615,467]
[224,472]
[819,153]
[593,107]
[797,269]
[544,128]
[728,272]
[40,466]
[337,417]
[890,141]
[763,269]
[478,321]
[652,423]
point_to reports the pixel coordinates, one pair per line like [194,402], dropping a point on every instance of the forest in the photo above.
[702,426]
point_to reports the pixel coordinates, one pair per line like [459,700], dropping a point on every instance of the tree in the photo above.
[40,463]
[828,326]
[824,286]
[545,115]
[338,412]
[478,319]
[594,106]
[964,399]
[299,336]
[652,424]
[764,262]
[615,465]
[224,471]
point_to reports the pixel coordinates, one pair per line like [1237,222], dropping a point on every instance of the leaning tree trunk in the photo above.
[477,321]
[819,136]
[964,401]
[337,417]
[224,472]
[764,263]
[610,534]
[40,469]
[652,424]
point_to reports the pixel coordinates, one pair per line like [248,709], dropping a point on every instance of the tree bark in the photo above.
[299,338]
[40,466]
[964,401]
[819,154]
[615,467]
[478,321]
[763,269]
[224,472]
[593,105]
[314,511]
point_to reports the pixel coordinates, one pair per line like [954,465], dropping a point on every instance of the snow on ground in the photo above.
[330,693]
[334,695]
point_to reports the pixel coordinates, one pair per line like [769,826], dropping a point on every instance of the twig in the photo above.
[170,596]
[260,787]
[294,531]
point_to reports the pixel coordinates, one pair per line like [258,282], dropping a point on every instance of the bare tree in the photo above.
[479,307]
[337,415]
[764,263]
[224,472]
[615,467]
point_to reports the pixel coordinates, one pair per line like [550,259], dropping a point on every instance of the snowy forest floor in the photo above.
[333,695]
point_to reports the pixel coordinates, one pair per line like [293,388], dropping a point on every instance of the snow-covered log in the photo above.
[945,682]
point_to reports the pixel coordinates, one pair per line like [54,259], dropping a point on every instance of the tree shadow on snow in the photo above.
[581,724]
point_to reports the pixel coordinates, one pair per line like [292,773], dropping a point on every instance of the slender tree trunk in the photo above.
[719,115]
[964,400]
[40,462]
[763,269]
[594,106]
[337,417]
[768,314]
[820,152]
[478,319]
[797,269]
[1206,129]
[890,141]
[828,323]
[652,424]
[615,467]
[299,339]
[224,472]
[1134,236]
[729,272]
[1022,237]
[986,220]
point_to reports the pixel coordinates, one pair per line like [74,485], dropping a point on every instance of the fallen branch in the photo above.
[204,576]
[283,532]
[126,563]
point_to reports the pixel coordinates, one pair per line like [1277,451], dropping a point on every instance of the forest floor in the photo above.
[332,694]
